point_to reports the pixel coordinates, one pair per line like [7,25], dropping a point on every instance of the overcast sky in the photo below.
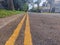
[41,1]
[36,5]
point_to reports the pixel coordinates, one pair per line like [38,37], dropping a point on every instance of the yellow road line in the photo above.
[27,38]
[15,34]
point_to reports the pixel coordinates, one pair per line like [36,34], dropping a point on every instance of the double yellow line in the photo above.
[27,37]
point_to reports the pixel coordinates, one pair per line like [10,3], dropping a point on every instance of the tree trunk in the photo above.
[10,4]
[38,6]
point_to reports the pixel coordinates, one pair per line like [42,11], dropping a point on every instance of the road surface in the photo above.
[32,29]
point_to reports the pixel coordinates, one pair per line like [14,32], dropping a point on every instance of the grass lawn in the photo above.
[5,13]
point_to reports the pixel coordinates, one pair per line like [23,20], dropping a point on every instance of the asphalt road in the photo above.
[8,30]
[44,28]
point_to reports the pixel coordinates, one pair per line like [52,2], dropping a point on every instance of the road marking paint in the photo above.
[27,38]
[15,34]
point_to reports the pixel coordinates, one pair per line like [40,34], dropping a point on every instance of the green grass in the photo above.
[5,13]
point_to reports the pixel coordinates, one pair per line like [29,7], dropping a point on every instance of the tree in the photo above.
[25,7]
[21,5]
[38,5]
[15,4]
[31,2]
[10,4]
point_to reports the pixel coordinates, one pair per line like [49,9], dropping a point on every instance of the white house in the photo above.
[57,5]
[45,7]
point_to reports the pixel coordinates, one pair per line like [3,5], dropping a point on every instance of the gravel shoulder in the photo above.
[7,20]
[9,25]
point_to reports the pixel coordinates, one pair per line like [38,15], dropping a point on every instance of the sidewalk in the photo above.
[7,20]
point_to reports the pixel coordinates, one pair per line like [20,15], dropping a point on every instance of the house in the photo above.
[51,6]
[54,4]
[57,5]
[45,7]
